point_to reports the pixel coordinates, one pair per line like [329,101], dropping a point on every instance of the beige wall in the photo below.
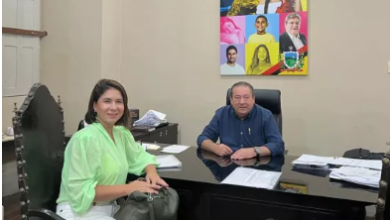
[83,45]
[342,104]
[167,55]
[111,39]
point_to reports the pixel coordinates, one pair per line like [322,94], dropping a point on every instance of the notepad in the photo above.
[175,149]
[251,177]
[168,161]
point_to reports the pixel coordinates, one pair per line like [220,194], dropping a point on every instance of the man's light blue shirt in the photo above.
[259,128]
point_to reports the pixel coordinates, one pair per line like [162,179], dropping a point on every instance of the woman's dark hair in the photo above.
[100,88]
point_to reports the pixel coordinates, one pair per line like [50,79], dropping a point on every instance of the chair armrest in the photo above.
[44,214]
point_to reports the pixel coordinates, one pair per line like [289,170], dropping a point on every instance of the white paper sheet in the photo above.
[148,146]
[319,161]
[175,149]
[357,175]
[168,161]
[306,159]
[371,164]
[251,177]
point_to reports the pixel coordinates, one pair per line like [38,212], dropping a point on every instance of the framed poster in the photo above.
[263,37]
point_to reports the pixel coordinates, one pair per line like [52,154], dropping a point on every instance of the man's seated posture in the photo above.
[245,129]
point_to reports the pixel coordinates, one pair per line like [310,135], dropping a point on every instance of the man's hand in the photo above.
[222,150]
[244,153]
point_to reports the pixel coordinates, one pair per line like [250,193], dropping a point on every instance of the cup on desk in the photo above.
[9,131]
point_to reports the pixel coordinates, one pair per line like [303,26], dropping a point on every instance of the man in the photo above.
[261,36]
[291,39]
[231,67]
[245,129]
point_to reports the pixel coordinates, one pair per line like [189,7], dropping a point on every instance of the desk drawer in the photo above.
[228,208]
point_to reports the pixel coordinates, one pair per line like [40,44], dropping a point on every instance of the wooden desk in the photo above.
[298,195]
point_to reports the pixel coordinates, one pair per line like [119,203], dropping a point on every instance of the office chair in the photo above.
[383,205]
[39,148]
[269,99]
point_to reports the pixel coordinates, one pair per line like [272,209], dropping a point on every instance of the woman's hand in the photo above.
[153,178]
[143,186]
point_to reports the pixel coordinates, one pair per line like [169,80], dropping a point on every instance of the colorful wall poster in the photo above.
[263,37]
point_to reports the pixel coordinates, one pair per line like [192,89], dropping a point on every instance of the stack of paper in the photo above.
[318,161]
[357,175]
[371,164]
[311,160]
[244,176]
[152,118]
[168,161]
[174,149]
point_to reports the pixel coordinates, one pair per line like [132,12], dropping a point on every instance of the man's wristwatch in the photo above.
[258,152]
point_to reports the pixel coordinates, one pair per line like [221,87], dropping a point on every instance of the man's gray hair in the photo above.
[241,83]
[291,16]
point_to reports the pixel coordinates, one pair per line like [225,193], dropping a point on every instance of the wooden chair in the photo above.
[383,205]
[39,147]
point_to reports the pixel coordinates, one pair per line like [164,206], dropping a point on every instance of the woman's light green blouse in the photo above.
[92,158]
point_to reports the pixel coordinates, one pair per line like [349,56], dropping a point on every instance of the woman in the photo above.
[230,32]
[261,61]
[98,158]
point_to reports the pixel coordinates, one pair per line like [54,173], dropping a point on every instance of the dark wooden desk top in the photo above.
[199,166]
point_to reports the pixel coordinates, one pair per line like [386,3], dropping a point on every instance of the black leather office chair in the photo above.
[39,147]
[269,99]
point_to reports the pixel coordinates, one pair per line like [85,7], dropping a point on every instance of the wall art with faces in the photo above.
[263,37]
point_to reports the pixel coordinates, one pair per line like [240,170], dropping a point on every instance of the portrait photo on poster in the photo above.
[262,29]
[293,31]
[293,43]
[261,58]
[232,30]
[232,59]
